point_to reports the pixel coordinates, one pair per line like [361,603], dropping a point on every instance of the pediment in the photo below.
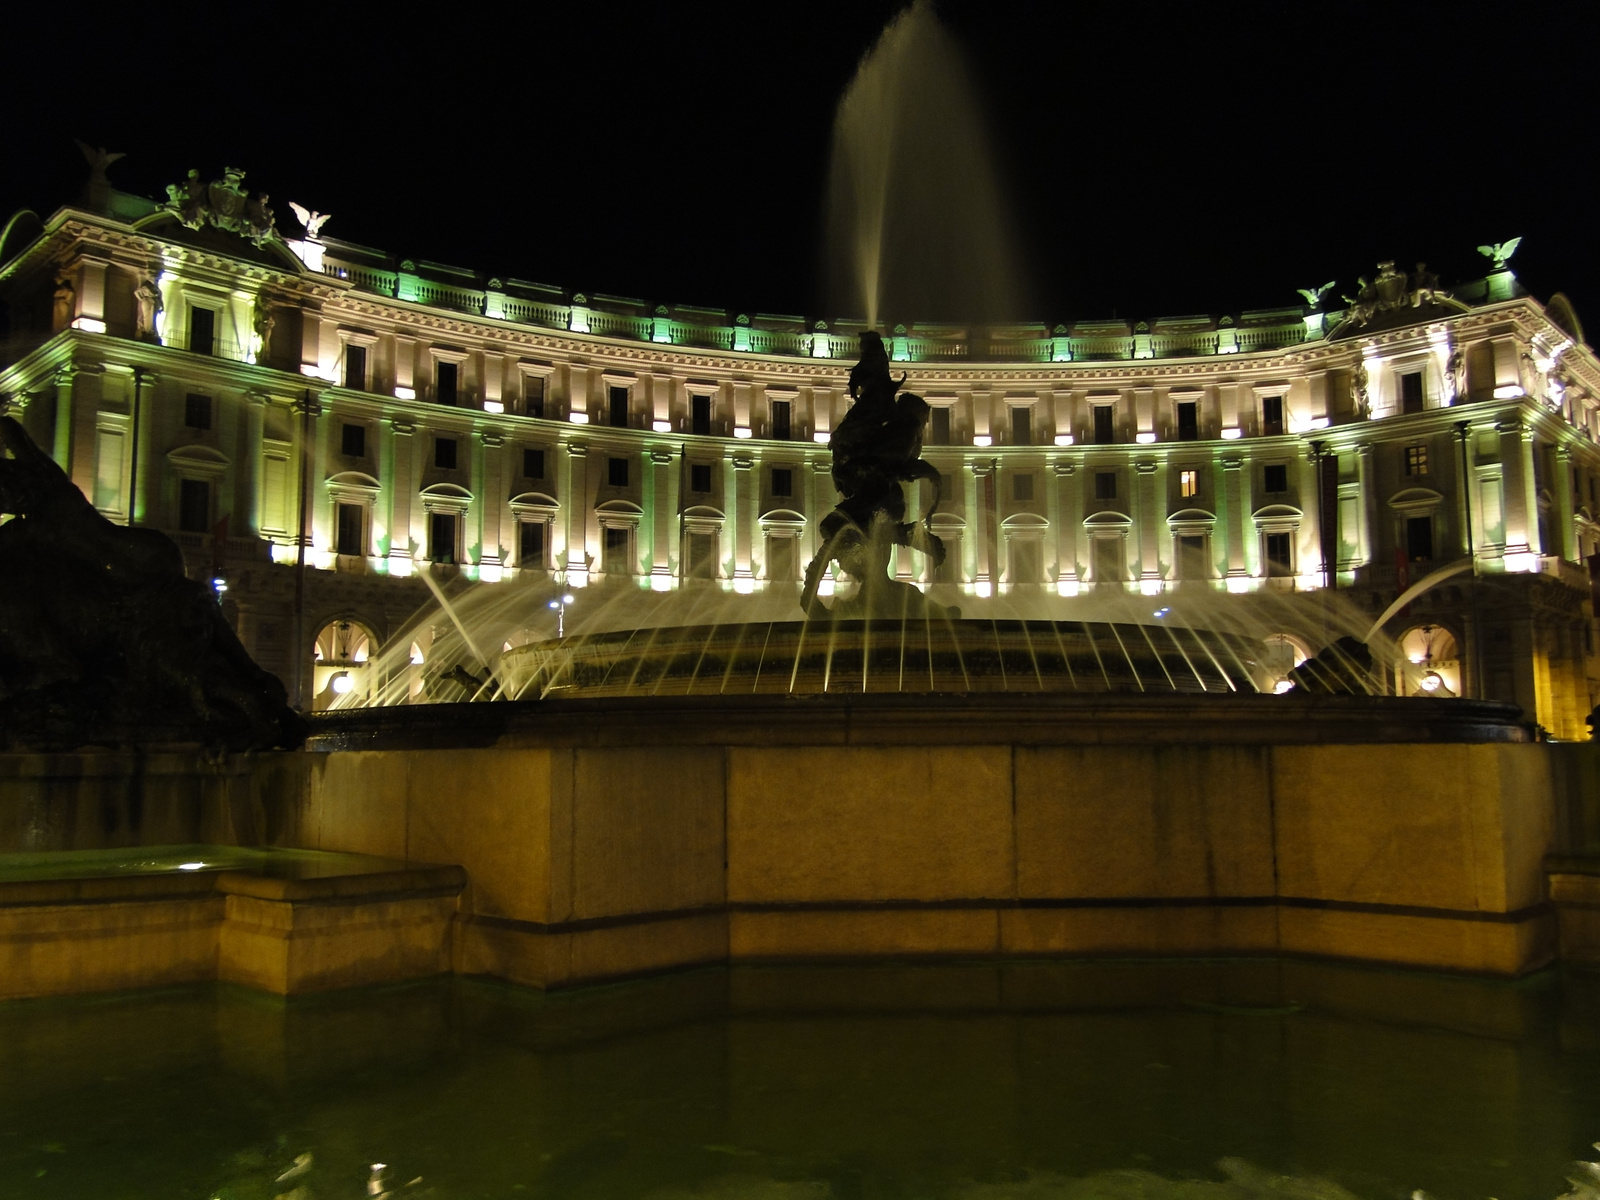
[619,507]
[358,479]
[198,456]
[447,491]
[1107,520]
[1415,499]
[1025,521]
[1192,516]
[782,516]
[1277,512]
[704,512]
[534,500]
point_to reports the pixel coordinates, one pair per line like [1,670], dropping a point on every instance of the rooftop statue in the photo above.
[876,449]
[104,640]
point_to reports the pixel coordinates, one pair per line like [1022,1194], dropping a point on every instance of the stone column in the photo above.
[1148,514]
[400,450]
[1521,505]
[823,498]
[980,518]
[85,385]
[1366,481]
[61,450]
[574,484]
[577,390]
[1233,496]
[1068,521]
[660,506]
[1565,534]
[490,492]
[248,464]
[1469,511]
[741,514]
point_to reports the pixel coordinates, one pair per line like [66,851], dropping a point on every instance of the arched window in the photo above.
[1282,653]
[1431,662]
[341,665]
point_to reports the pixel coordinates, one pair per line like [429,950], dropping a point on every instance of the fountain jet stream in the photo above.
[911,170]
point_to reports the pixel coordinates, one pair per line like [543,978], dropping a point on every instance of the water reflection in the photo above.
[1215,1080]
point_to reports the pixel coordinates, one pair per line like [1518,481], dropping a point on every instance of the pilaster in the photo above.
[1233,495]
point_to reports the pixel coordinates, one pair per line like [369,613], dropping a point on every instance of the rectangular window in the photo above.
[533,395]
[1188,484]
[1022,487]
[614,552]
[202,330]
[617,406]
[197,411]
[442,537]
[700,477]
[1026,560]
[194,506]
[1271,416]
[445,378]
[1188,421]
[444,453]
[1021,425]
[533,464]
[1275,478]
[702,556]
[1280,555]
[1411,392]
[617,472]
[1104,424]
[781,420]
[939,425]
[1419,539]
[353,441]
[1416,460]
[530,544]
[1192,557]
[355,367]
[1105,485]
[351,532]
[700,415]
[1110,563]
[782,481]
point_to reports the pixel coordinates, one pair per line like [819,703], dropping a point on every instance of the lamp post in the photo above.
[561,614]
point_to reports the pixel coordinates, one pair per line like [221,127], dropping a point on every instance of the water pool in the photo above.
[981,1082]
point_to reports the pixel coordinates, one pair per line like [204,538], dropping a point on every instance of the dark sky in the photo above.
[1160,159]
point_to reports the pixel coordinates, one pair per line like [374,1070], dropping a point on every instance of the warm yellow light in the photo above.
[982,439]
[493,406]
[660,426]
[1144,439]
[578,418]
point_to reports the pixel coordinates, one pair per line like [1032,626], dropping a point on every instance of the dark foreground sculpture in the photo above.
[876,449]
[103,640]
[1342,668]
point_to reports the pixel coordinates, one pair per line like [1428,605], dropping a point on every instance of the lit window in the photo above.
[1416,460]
[1188,484]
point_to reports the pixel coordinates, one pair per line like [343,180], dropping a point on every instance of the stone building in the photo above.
[327,429]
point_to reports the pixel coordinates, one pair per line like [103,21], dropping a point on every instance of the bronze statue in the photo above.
[876,449]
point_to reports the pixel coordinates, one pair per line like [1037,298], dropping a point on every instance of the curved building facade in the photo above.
[328,429]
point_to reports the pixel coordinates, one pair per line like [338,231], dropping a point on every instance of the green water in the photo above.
[978,1082]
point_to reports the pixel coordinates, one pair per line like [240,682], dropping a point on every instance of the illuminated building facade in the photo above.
[321,425]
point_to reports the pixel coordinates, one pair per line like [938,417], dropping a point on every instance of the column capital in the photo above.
[402,425]
[660,456]
[493,439]
[578,449]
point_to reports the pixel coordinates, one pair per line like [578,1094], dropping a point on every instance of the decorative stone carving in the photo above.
[1500,253]
[222,204]
[311,219]
[65,301]
[148,302]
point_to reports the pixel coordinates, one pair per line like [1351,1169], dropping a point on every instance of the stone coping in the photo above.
[154,872]
[1584,861]
[1017,718]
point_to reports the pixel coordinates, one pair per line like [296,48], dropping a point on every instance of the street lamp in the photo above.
[561,615]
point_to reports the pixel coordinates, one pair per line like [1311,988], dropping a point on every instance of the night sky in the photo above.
[1159,159]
